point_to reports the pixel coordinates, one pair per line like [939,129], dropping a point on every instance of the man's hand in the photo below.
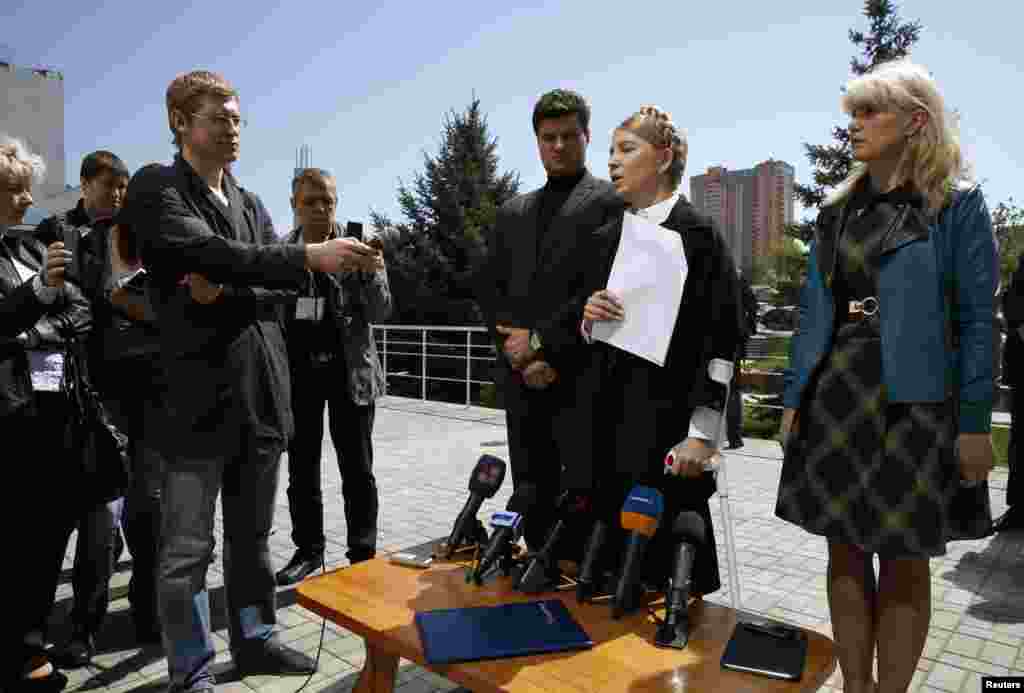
[604,305]
[787,426]
[539,374]
[517,345]
[976,456]
[202,290]
[57,259]
[339,254]
[690,457]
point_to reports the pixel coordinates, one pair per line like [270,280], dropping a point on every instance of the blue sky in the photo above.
[367,87]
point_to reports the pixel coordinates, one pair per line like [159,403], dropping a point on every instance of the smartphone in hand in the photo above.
[73,270]
[354,229]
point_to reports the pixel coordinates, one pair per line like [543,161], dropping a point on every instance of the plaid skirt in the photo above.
[863,471]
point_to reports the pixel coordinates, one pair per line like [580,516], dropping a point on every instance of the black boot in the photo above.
[302,564]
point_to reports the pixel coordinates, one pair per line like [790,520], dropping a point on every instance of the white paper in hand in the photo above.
[648,274]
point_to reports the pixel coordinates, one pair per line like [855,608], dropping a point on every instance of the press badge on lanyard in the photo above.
[310,307]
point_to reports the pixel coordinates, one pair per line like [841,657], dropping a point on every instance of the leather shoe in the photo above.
[77,652]
[301,565]
[270,656]
[1011,520]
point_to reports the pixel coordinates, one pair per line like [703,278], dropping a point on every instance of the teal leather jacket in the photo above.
[937,281]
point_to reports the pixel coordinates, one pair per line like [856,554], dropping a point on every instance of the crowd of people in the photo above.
[215,347]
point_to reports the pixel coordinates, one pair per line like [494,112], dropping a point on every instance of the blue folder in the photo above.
[494,632]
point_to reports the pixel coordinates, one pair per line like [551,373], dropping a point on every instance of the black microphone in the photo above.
[508,527]
[485,481]
[689,533]
[590,568]
[541,572]
[640,516]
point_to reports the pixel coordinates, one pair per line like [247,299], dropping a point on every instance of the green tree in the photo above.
[1008,223]
[448,211]
[888,38]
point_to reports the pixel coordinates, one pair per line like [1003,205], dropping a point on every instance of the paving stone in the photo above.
[424,452]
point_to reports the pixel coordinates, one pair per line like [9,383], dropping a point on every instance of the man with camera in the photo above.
[333,361]
[83,230]
[218,281]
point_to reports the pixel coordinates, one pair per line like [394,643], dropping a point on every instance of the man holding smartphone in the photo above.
[333,361]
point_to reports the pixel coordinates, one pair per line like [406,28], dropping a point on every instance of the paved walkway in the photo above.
[424,452]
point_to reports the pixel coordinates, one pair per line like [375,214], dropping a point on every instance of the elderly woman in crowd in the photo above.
[644,411]
[31,287]
[889,388]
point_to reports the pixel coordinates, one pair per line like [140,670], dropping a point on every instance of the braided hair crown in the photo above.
[655,126]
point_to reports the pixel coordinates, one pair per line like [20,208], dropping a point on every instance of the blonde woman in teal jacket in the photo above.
[889,388]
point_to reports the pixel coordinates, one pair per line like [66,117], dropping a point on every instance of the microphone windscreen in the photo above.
[523,499]
[487,476]
[690,527]
[642,510]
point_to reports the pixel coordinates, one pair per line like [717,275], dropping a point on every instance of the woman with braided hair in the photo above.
[645,411]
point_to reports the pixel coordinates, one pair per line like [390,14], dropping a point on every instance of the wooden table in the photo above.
[377,600]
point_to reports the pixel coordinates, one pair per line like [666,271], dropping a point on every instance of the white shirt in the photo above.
[704,423]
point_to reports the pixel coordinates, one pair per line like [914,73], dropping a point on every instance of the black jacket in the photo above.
[24,313]
[355,301]
[523,286]
[226,362]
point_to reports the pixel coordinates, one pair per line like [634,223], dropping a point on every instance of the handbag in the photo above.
[97,448]
[970,512]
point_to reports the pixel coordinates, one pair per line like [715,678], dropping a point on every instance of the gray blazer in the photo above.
[358,300]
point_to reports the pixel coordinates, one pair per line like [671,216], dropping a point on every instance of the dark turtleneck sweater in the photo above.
[556,192]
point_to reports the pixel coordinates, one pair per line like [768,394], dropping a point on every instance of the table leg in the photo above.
[378,674]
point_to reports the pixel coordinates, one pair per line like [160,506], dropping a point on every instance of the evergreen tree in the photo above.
[449,209]
[888,38]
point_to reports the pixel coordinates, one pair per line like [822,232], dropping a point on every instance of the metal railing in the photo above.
[424,350]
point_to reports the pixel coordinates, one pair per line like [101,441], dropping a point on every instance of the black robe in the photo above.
[642,410]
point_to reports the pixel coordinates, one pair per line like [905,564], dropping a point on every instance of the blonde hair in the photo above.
[932,161]
[186,92]
[18,161]
[656,127]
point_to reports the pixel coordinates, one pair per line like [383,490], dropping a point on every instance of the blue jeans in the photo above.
[246,479]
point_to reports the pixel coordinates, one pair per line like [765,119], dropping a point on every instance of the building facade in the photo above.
[32,109]
[751,207]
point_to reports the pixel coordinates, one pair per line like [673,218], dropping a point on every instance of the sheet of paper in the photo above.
[648,274]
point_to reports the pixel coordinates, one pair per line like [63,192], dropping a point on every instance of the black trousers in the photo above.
[139,409]
[314,386]
[540,435]
[1015,484]
[54,509]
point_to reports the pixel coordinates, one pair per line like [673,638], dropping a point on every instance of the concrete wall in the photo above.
[32,109]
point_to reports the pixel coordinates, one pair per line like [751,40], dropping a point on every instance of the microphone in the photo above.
[590,569]
[541,572]
[508,527]
[484,482]
[689,532]
[640,516]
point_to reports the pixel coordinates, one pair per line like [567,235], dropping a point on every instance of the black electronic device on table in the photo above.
[767,649]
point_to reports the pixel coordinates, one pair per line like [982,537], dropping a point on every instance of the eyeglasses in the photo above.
[224,121]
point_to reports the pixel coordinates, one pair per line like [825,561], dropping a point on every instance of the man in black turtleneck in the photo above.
[531,275]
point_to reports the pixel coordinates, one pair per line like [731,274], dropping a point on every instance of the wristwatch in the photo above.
[535,343]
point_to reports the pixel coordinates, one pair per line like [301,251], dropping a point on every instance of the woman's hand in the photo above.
[976,456]
[603,305]
[57,259]
[690,457]
[787,427]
